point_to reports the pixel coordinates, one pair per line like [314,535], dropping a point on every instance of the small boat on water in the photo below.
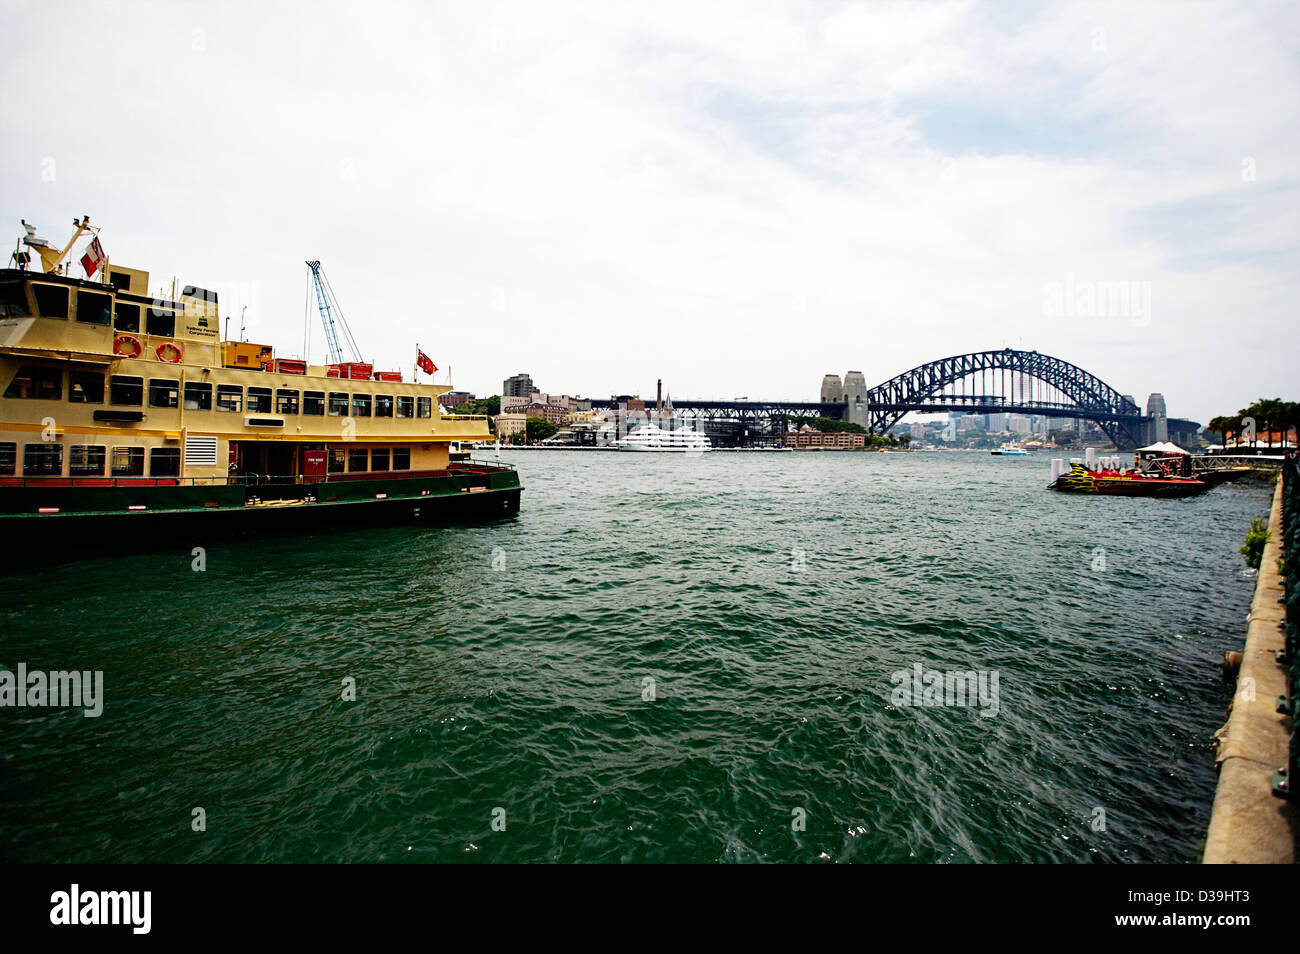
[1010,450]
[1126,483]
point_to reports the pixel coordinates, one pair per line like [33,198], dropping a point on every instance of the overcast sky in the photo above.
[738,198]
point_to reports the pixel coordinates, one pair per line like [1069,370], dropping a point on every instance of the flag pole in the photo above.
[415,372]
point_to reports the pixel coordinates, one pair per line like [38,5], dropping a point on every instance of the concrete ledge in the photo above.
[1249,824]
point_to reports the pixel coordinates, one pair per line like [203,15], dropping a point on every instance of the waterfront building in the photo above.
[627,402]
[997,422]
[508,425]
[455,398]
[806,437]
[513,401]
[553,413]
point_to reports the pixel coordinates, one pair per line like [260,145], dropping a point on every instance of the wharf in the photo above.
[1249,824]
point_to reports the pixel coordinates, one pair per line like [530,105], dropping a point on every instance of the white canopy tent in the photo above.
[1163,448]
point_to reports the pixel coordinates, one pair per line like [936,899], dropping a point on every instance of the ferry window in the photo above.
[424,407]
[160,322]
[383,405]
[85,387]
[338,404]
[13,300]
[164,462]
[401,458]
[379,458]
[286,402]
[43,460]
[230,397]
[128,461]
[313,402]
[33,381]
[338,461]
[94,308]
[125,390]
[126,317]
[8,458]
[164,392]
[86,460]
[357,458]
[51,301]
[405,406]
[198,396]
[361,405]
[259,400]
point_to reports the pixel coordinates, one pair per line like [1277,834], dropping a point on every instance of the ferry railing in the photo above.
[1286,781]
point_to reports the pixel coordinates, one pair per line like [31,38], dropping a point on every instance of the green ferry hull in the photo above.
[84,520]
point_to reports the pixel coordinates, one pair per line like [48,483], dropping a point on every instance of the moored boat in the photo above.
[651,437]
[1080,480]
[125,417]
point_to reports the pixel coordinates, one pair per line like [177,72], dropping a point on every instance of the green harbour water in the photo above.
[662,658]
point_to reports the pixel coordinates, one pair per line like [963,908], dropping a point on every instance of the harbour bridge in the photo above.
[983,382]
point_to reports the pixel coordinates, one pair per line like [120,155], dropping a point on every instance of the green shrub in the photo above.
[1256,537]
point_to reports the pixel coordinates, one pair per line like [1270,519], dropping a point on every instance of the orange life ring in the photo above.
[175,346]
[121,340]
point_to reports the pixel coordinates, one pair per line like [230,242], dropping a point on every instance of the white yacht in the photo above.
[650,437]
[1010,450]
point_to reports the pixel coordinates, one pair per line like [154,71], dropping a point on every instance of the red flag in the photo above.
[425,365]
[94,257]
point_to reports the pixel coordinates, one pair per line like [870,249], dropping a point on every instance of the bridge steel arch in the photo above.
[923,389]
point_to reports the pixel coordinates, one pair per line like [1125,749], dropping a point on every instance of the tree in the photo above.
[538,429]
[827,425]
[490,406]
[1270,415]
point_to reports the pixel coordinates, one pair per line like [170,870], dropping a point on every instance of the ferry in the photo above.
[1010,450]
[650,437]
[125,417]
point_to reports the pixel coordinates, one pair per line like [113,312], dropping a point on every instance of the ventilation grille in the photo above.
[200,451]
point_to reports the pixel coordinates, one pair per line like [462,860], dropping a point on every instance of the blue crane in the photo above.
[329,305]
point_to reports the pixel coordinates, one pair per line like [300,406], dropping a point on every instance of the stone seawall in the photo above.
[1249,824]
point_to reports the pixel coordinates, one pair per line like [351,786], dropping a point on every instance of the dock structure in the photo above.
[1255,820]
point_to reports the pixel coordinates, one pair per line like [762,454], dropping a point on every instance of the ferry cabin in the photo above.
[103,383]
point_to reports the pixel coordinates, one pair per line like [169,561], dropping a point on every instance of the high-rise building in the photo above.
[1019,424]
[521,385]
